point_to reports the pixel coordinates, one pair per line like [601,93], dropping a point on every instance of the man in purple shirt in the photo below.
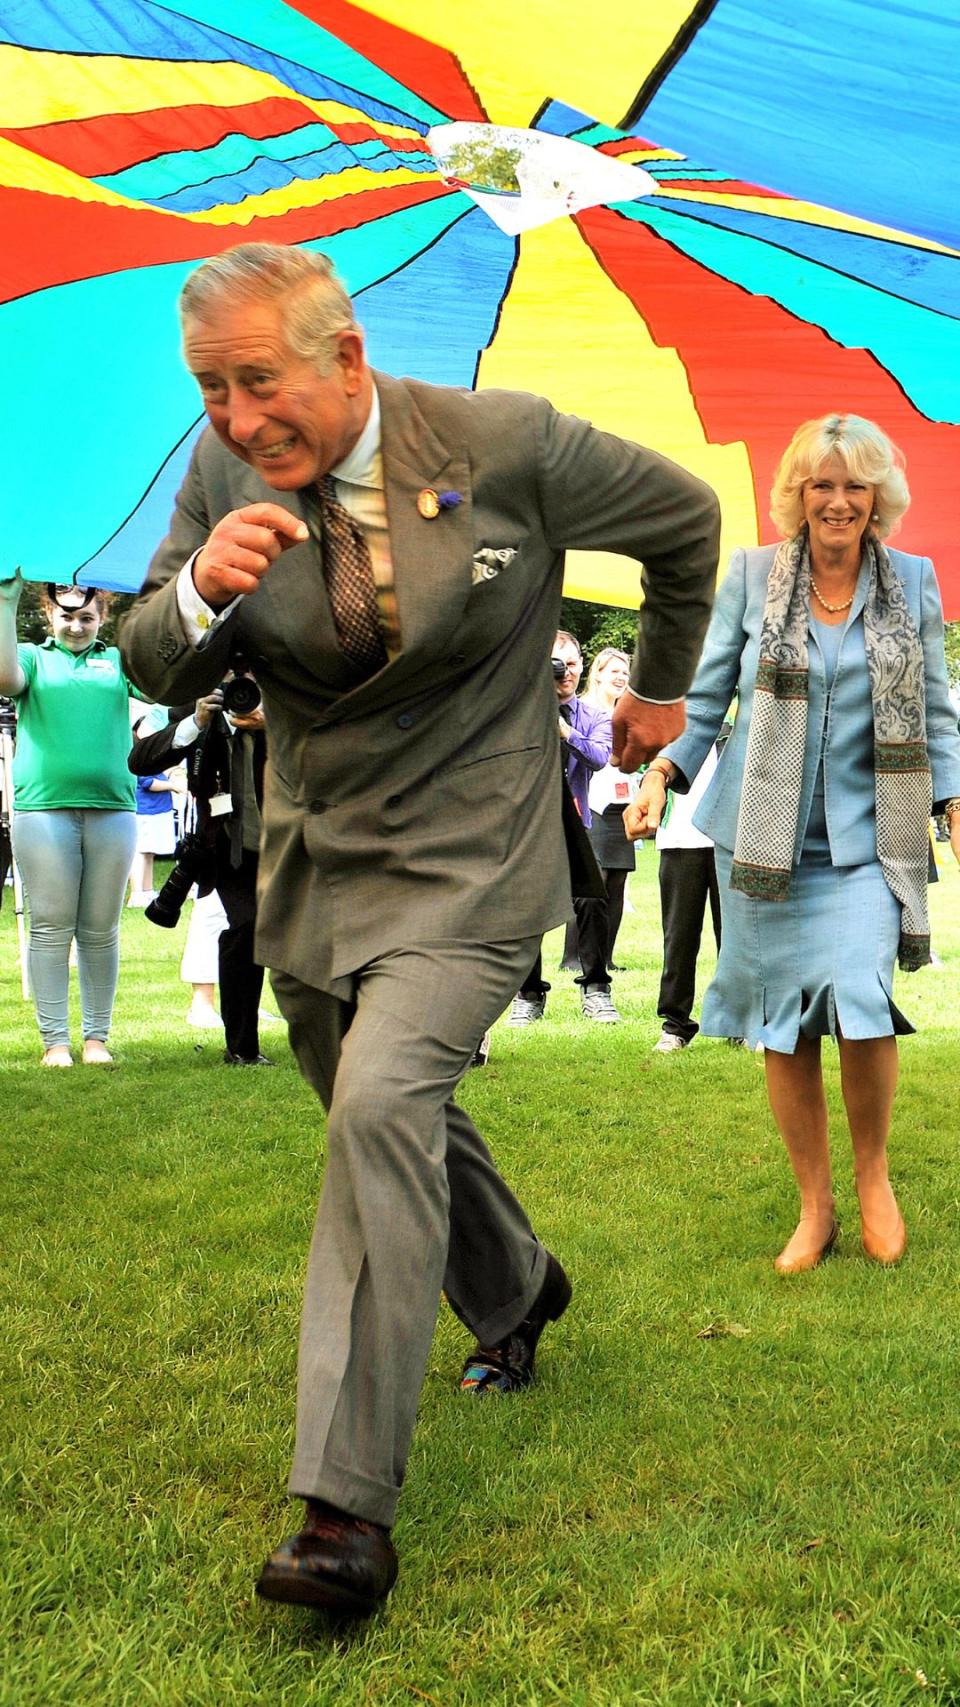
[587,740]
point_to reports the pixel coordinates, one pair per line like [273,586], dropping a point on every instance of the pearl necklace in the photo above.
[826,603]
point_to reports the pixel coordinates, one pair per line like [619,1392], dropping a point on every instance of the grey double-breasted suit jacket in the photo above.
[424,802]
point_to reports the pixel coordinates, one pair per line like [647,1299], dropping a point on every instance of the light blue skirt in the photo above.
[818,963]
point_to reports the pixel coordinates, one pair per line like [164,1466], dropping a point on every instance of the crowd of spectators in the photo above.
[198,782]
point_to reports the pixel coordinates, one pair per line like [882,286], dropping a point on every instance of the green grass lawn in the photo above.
[726,1486]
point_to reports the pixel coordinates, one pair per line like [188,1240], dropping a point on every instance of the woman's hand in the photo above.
[641,820]
[11,589]
[11,675]
[954,825]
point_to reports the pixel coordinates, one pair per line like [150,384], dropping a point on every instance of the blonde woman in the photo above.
[820,807]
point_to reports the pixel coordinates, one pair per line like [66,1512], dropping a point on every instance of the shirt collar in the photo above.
[361,466]
[53,645]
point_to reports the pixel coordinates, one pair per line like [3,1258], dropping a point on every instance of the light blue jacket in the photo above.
[844,728]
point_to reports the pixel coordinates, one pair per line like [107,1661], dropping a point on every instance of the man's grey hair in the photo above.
[316,306]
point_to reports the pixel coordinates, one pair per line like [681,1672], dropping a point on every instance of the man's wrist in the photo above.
[216,606]
[198,619]
[647,699]
[187,731]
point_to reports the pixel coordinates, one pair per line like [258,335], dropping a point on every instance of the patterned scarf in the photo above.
[773,773]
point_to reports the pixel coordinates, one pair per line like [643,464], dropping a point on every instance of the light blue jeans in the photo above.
[74,864]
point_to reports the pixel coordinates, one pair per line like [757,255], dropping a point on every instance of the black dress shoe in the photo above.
[233,1060]
[508,1366]
[337,1563]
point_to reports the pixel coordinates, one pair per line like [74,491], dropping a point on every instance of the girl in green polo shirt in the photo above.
[74,808]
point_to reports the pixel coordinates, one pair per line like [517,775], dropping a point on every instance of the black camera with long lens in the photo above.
[240,695]
[192,861]
[559,669]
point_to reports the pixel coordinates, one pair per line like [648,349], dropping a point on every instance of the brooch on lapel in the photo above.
[430,503]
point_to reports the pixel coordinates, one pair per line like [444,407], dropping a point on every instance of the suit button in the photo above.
[316,805]
[458,658]
[167,647]
[405,720]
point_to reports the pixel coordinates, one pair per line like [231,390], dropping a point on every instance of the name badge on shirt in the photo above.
[105,666]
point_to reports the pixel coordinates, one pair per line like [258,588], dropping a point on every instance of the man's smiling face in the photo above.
[270,407]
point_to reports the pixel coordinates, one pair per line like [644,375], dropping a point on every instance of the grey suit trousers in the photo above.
[411,1203]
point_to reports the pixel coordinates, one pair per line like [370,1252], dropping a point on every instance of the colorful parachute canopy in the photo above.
[786,245]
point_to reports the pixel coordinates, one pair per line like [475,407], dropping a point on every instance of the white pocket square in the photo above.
[488,562]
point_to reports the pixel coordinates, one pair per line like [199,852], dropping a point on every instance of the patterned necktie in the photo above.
[350,585]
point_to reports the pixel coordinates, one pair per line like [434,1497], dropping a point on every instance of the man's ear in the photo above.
[351,360]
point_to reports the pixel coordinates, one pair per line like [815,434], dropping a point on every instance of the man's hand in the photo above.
[207,707]
[641,728]
[241,549]
[251,723]
[564,728]
[641,820]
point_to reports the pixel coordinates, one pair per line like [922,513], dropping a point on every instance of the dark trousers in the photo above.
[241,979]
[615,883]
[592,929]
[687,878]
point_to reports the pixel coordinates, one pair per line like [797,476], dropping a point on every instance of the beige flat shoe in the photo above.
[886,1251]
[58,1055]
[809,1259]
[96,1054]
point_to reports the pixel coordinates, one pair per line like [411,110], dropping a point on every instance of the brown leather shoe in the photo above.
[508,1366]
[337,1563]
[885,1250]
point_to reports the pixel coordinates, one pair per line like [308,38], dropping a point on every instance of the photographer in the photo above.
[585,743]
[222,740]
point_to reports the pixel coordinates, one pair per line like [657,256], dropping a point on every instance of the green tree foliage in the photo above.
[596,626]
[483,163]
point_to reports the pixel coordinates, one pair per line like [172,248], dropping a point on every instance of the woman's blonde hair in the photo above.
[603,657]
[866,453]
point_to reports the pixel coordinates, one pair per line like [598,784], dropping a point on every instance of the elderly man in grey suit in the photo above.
[388,556]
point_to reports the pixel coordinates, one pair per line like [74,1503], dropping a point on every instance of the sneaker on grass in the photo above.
[596,1003]
[526,1009]
[668,1043]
